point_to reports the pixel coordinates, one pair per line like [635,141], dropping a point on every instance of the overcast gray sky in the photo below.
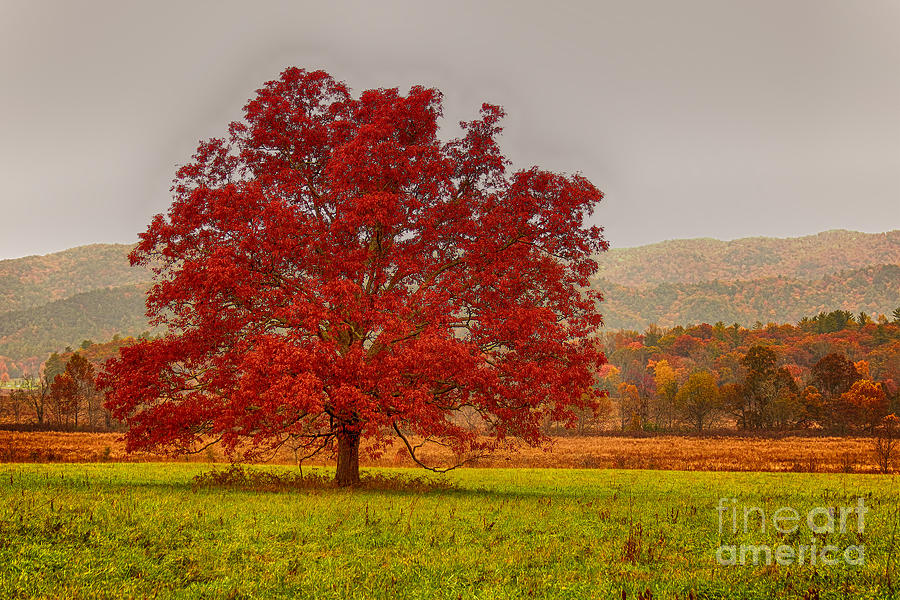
[697,118]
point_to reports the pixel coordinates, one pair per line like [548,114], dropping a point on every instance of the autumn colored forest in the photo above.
[836,371]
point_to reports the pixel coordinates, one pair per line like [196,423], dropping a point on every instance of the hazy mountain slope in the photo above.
[36,280]
[874,289]
[699,260]
[96,315]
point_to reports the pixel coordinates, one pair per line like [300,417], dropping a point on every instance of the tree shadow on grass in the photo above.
[239,478]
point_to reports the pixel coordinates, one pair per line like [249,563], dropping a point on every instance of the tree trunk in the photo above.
[347,459]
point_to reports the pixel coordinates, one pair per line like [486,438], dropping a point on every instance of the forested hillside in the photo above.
[874,289]
[96,315]
[36,280]
[701,260]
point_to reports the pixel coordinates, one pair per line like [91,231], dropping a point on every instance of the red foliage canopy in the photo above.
[333,270]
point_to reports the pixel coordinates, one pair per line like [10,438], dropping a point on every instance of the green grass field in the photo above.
[143,531]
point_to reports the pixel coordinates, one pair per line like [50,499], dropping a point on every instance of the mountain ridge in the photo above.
[744,259]
[873,289]
[35,280]
[96,314]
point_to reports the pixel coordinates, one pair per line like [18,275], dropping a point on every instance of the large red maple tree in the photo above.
[331,271]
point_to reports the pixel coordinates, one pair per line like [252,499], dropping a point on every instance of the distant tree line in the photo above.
[63,395]
[836,371]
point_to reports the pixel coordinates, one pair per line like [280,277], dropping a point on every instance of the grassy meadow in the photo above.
[146,530]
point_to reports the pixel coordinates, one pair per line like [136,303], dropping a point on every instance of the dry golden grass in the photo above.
[54,446]
[725,453]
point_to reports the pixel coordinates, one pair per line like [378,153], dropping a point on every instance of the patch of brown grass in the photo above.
[54,446]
